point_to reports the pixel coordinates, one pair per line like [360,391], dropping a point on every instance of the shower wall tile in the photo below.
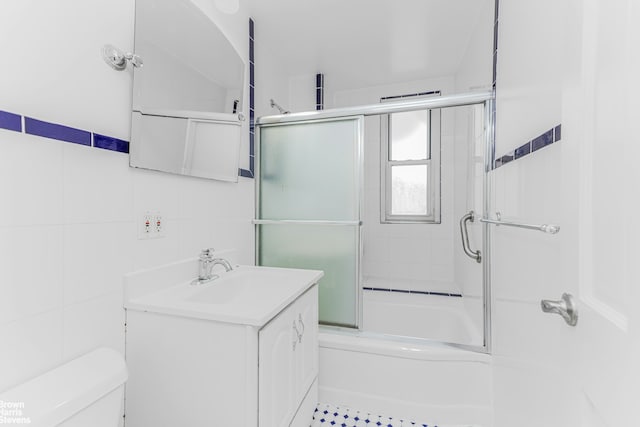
[535,99]
[402,252]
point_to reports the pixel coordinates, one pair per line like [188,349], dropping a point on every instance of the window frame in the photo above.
[433,163]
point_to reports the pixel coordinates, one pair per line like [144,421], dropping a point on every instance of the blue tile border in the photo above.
[408,291]
[542,140]
[547,138]
[10,121]
[523,150]
[62,133]
[110,143]
[319,91]
[249,173]
[55,131]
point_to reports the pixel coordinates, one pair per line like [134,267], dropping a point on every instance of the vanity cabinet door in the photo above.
[276,376]
[306,357]
[288,360]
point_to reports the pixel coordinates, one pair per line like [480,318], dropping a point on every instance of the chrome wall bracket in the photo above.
[564,307]
[118,60]
[545,228]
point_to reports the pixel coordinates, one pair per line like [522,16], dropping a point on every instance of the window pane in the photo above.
[409,190]
[409,135]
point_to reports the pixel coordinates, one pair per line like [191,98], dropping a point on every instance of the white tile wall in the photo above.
[61,76]
[94,255]
[31,345]
[31,274]
[36,165]
[94,323]
[409,256]
[97,186]
[537,74]
[68,216]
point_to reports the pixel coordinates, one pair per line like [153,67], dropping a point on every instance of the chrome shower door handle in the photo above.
[465,237]
[564,307]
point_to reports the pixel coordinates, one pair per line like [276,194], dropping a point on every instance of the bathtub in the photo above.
[433,317]
[404,378]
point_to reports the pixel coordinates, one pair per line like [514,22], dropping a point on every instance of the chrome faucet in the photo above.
[206,264]
[223,262]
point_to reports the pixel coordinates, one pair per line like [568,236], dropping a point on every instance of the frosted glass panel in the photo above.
[333,249]
[309,171]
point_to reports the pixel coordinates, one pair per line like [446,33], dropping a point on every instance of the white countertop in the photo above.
[247,295]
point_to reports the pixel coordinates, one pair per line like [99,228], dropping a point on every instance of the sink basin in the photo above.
[246,295]
[221,291]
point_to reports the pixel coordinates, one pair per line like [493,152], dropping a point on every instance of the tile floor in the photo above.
[327,415]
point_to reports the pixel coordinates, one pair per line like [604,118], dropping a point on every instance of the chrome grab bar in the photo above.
[565,308]
[545,228]
[465,237]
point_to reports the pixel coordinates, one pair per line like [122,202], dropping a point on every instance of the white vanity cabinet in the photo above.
[225,355]
[288,360]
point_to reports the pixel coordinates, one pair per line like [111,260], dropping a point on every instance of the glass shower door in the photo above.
[308,207]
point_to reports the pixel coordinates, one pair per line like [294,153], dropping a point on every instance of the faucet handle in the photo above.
[207,253]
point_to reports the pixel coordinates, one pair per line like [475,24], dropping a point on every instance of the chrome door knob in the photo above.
[564,307]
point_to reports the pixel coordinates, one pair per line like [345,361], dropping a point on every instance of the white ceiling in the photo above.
[362,43]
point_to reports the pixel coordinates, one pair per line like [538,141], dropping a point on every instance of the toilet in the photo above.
[87,391]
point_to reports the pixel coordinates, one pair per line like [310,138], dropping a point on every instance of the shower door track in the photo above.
[303,222]
[382,108]
[487,98]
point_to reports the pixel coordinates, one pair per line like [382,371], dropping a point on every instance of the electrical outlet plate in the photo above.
[151,226]
[158,224]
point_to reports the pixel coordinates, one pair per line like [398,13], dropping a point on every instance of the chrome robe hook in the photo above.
[117,59]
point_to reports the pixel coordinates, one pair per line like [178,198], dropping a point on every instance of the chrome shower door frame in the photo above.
[487,99]
[359,167]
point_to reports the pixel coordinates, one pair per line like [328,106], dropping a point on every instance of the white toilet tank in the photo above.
[86,392]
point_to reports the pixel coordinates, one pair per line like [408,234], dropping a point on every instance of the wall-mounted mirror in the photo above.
[187,98]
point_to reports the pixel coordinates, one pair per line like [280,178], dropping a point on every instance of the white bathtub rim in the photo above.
[402,347]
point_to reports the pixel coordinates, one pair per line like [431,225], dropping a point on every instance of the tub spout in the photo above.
[564,307]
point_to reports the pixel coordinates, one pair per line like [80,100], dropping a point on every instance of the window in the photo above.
[410,167]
